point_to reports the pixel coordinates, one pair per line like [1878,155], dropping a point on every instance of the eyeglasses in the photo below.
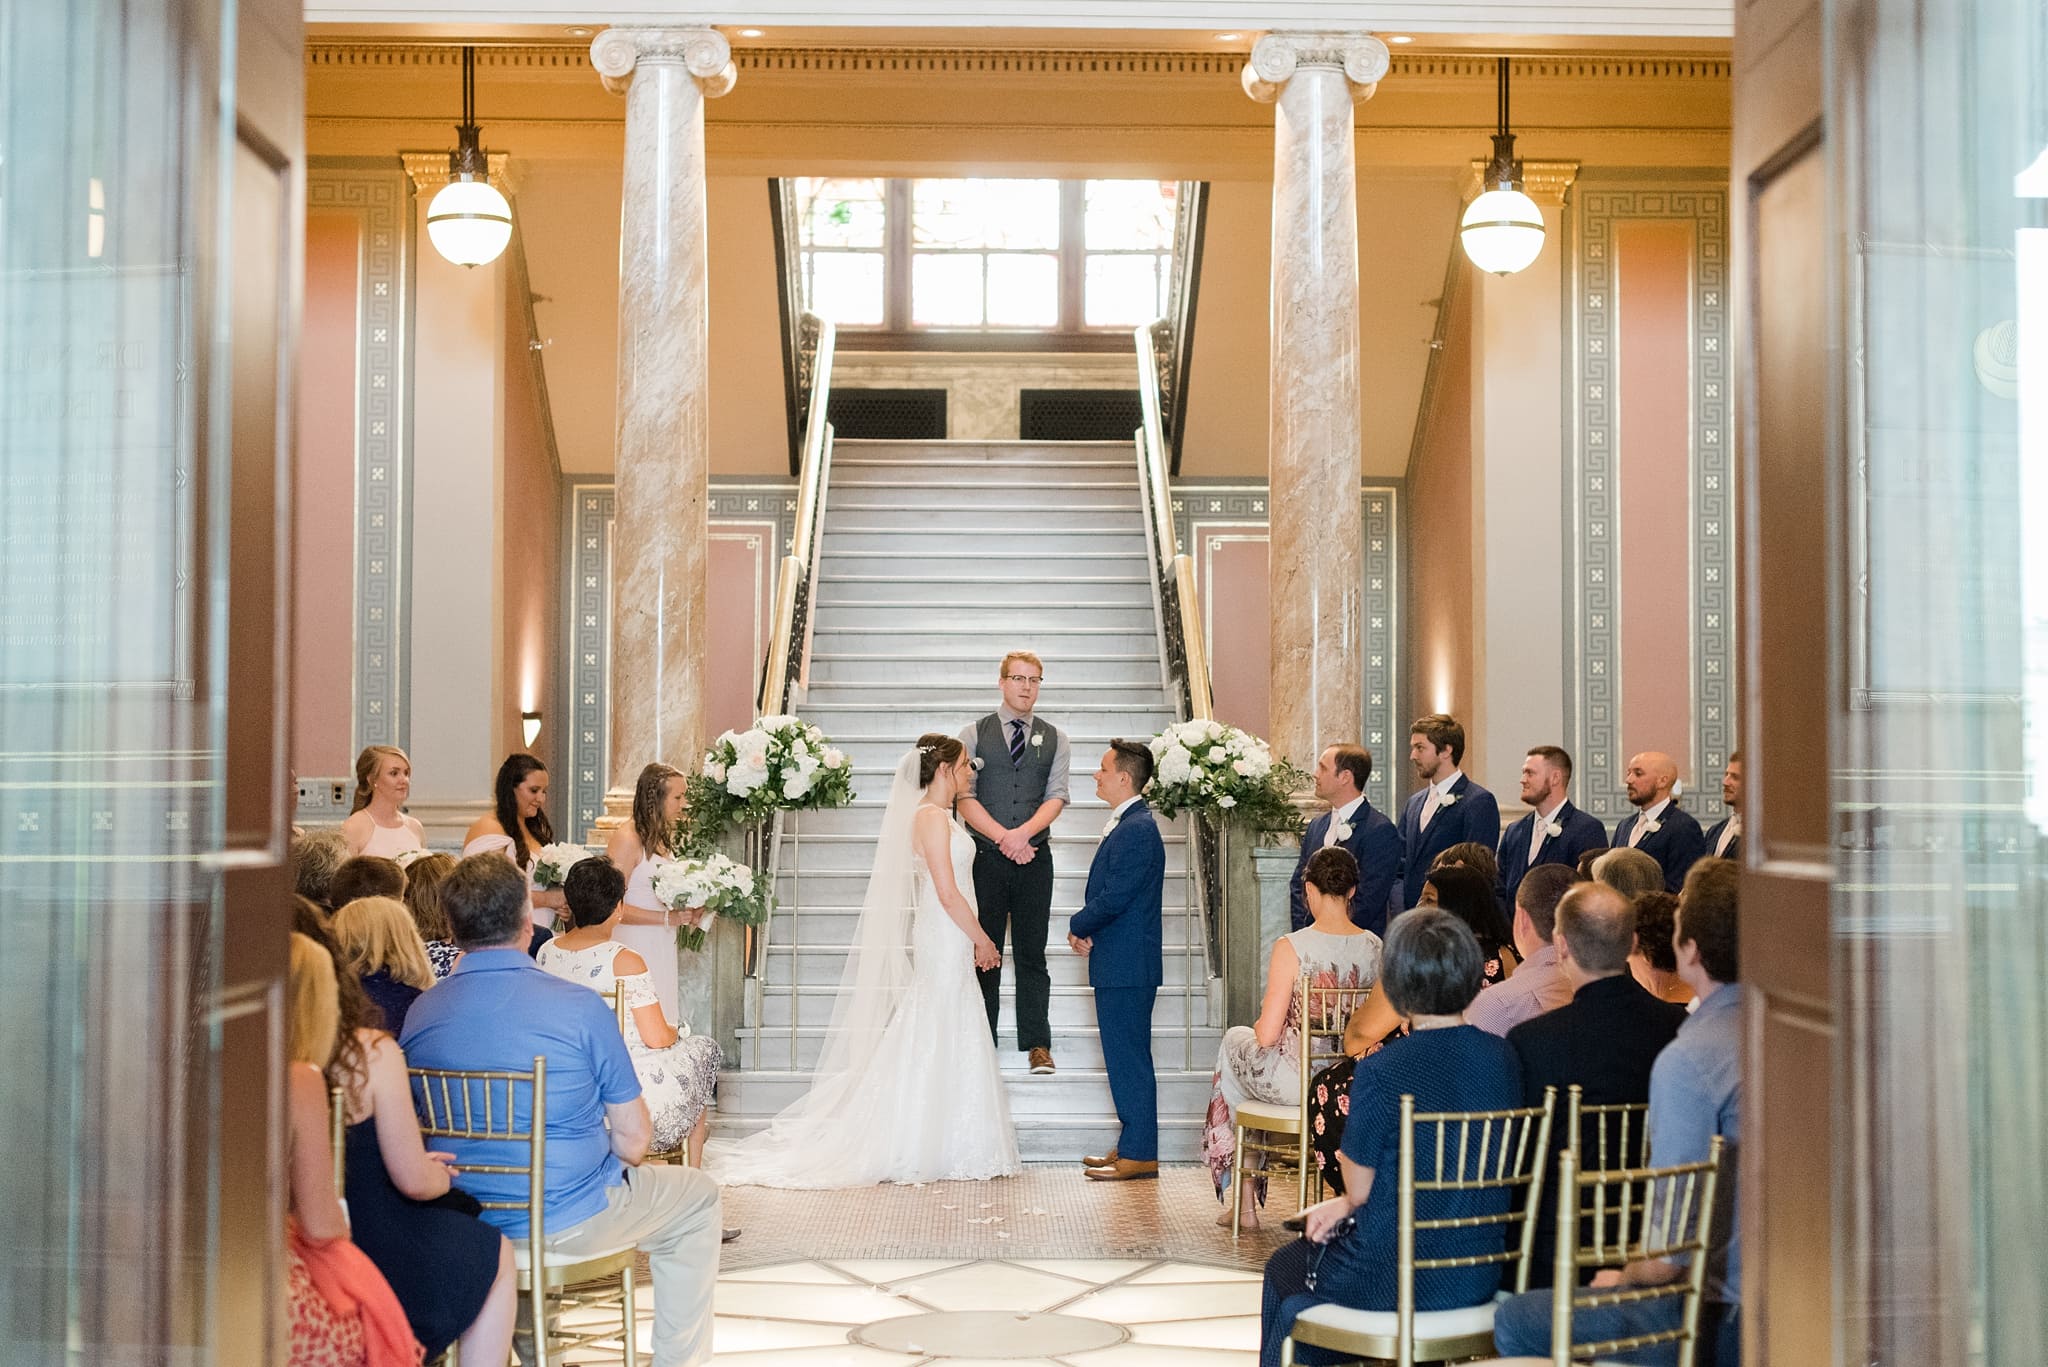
[1024,678]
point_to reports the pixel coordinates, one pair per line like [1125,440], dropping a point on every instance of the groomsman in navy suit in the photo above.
[1556,832]
[1341,775]
[1118,930]
[1449,810]
[1724,838]
[1660,827]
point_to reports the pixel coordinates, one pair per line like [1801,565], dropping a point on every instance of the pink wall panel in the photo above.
[743,559]
[1232,562]
[531,551]
[324,500]
[1442,581]
[1653,328]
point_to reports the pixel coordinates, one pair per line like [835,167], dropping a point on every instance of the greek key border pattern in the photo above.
[592,504]
[1197,501]
[381,198]
[1595,492]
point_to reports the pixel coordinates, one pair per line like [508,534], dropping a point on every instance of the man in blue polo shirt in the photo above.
[497,1010]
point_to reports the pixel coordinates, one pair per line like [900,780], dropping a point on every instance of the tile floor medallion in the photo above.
[1041,1270]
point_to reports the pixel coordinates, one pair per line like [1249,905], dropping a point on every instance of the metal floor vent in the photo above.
[1078,414]
[887,414]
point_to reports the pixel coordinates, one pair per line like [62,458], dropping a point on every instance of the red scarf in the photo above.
[353,1287]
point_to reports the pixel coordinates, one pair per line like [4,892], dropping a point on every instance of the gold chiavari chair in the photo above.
[1470,1151]
[479,1106]
[1322,1012]
[1634,1215]
[337,1133]
[1620,1132]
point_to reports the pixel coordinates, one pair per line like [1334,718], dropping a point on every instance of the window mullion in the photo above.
[1073,244]
[896,266]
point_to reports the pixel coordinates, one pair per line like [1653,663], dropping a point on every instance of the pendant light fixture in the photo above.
[1502,230]
[469,222]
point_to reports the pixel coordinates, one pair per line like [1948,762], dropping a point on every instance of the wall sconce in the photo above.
[529,726]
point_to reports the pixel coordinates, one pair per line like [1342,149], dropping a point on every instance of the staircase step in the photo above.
[1024,616]
[982,634]
[1072,1091]
[818,923]
[1068,1006]
[987,491]
[1078,690]
[862,668]
[824,964]
[855,503]
[1046,1139]
[1073,1046]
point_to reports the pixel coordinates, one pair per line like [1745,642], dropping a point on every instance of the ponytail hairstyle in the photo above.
[934,752]
[367,764]
[648,800]
[511,774]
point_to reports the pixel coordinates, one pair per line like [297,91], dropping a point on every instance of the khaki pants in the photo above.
[671,1215]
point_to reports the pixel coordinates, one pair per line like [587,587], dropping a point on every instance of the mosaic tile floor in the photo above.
[1042,1270]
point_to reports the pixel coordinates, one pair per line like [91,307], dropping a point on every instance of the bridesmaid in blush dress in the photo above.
[640,848]
[376,823]
[518,827]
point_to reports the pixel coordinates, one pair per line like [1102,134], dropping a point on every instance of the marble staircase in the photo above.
[937,558]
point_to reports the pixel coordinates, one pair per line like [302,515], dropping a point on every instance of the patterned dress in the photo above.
[1248,1071]
[677,1082]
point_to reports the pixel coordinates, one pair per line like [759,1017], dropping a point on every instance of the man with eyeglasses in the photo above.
[1018,784]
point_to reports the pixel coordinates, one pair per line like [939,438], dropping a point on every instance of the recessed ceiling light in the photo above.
[1228,37]
[1399,38]
[750,33]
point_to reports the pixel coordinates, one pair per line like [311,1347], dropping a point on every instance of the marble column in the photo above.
[663,459]
[1317,522]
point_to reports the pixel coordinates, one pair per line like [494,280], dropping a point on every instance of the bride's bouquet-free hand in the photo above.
[552,864]
[717,883]
[779,764]
[1224,774]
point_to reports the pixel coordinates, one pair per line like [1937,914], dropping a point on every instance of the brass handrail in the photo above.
[789,642]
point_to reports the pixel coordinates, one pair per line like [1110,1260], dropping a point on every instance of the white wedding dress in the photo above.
[907,1088]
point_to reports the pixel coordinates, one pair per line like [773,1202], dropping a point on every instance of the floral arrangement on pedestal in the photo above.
[779,764]
[718,883]
[552,863]
[1224,774]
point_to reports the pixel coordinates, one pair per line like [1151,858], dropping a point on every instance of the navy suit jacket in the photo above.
[1676,844]
[1376,845]
[1582,832]
[1474,816]
[1120,910]
[1734,850]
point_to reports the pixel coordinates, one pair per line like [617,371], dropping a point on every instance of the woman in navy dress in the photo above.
[1431,973]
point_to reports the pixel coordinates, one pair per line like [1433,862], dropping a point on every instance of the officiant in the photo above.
[1018,784]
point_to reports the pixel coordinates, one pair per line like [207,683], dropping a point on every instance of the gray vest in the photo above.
[1012,792]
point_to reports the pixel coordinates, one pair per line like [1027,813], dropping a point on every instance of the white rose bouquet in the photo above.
[552,864]
[1224,774]
[779,764]
[718,884]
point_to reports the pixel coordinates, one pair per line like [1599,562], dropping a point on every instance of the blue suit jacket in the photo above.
[1376,845]
[1120,910]
[1713,838]
[1474,816]
[1582,832]
[1676,844]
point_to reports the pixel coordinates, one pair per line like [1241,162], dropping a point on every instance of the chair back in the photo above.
[1323,1012]
[337,1135]
[1468,1151]
[1610,1219]
[458,1103]
[616,995]
[1619,1132]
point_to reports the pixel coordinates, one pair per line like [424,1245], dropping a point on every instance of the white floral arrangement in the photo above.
[552,863]
[1225,774]
[779,764]
[717,883]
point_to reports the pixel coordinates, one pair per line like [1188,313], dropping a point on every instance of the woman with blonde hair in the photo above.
[380,946]
[423,899]
[377,823]
[638,849]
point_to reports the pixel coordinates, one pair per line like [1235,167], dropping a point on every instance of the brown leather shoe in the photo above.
[1106,1162]
[1124,1170]
[1041,1062]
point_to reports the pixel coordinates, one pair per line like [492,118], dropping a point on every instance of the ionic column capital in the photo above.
[1362,58]
[703,52]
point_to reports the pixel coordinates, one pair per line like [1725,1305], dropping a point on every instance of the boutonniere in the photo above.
[1553,829]
[979,761]
[1342,830]
[1446,800]
[1037,739]
[1652,827]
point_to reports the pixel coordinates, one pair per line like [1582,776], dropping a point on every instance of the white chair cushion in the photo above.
[1429,1324]
[1252,1113]
[520,1258]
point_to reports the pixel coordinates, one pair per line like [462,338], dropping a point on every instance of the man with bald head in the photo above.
[1659,827]
[1604,1039]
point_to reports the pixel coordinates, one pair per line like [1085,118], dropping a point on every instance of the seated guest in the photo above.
[1371,1027]
[314,858]
[340,1309]
[1604,1039]
[1352,825]
[379,945]
[452,1273]
[1540,984]
[423,899]
[1430,975]
[366,875]
[1467,893]
[1630,872]
[1659,827]
[1653,963]
[498,1010]
[677,1073]
[1588,858]
[1472,854]
[1262,1062]
[1695,1094]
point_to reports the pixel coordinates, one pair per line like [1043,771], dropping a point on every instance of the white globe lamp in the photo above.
[1502,230]
[469,221]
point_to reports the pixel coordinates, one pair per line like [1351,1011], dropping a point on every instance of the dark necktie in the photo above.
[1017,741]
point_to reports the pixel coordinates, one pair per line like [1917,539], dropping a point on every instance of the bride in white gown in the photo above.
[907,1088]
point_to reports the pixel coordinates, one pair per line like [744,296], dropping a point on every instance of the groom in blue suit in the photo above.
[1118,931]
[1555,832]
[1341,775]
[1449,810]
